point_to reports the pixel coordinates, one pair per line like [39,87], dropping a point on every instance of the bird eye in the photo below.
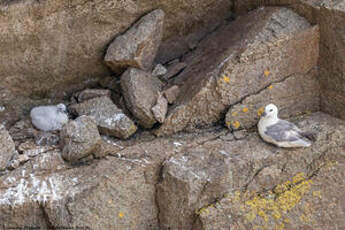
[271,110]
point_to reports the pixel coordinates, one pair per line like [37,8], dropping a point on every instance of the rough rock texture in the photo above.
[7,147]
[113,193]
[92,93]
[110,119]
[299,93]
[140,90]
[232,63]
[330,16]
[159,70]
[332,56]
[51,47]
[121,190]
[80,138]
[173,69]
[160,109]
[171,93]
[138,46]
[195,179]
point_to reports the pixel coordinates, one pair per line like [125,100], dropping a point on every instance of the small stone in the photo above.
[138,46]
[92,93]
[45,138]
[109,118]
[22,130]
[140,91]
[174,69]
[7,147]
[160,109]
[159,70]
[80,138]
[171,93]
[241,134]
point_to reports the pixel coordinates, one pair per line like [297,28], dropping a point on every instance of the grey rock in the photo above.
[171,93]
[138,46]
[238,60]
[160,109]
[92,93]
[193,179]
[140,91]
[159,70]
[109,118]
[7,147]
[173,69]
[80,138]
[303,99]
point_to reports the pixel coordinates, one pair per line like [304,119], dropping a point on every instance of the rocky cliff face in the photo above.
[171,145]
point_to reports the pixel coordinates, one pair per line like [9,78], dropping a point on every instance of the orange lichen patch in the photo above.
[266,73]
[121,214]
[236,124]
[228,124]
[245,110]
[270,87]
[226,79]
[261,111]
[234,114]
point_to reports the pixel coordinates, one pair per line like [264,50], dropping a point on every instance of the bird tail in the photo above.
[312,136]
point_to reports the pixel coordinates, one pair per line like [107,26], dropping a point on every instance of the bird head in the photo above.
[61,108]
[271,111]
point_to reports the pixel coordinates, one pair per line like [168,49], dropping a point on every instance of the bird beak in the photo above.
[264,114]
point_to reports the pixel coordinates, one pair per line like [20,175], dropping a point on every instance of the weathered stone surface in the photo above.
[92,93]
[121,190]
[174,69]
[7,147]
[190,181]
[140,91]
[330,16]
[160,109]
[53,46]
[171,93]
[80,138]
[110,119]
[159,70]
[113,193]
[299,93]
[231,64]
[305,201]
[332,56]
[138,46]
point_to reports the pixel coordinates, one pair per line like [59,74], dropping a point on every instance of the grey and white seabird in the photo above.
[49,118]
[280,132]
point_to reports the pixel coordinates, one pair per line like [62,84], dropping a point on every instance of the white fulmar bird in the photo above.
[50,117]
[280,132]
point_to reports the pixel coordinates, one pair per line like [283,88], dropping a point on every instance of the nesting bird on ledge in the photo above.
[49,118]
[280,132]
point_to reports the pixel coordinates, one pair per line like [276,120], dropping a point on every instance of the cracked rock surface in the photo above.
[238,60]
[129,186]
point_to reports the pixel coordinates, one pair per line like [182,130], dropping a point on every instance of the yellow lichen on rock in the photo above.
[236,124]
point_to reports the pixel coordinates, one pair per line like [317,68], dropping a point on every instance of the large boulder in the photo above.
[330,16]
[55,47]
[139,45]
[7,148]
[298,94]
[79,139]
[140,90]
[109,118]
[239,60]
[195,178]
